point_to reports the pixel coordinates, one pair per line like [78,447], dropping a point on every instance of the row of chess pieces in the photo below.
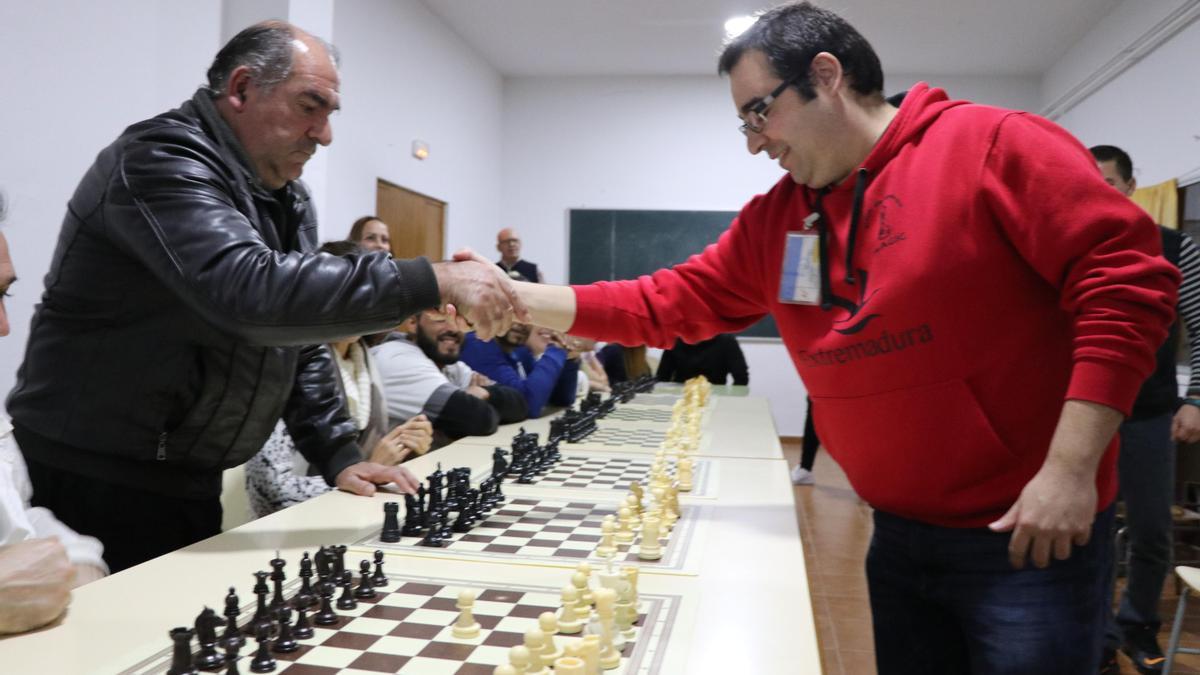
[272,624]
[602,607]
[427,513]
[687,414]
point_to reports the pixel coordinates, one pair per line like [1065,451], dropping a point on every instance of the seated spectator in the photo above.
[421,374]
[279,476]
[534,361]
[590,368]
[623,363]
[717,359]
[371,234]
[41,559]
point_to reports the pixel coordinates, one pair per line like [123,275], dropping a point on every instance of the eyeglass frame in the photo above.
[759,109]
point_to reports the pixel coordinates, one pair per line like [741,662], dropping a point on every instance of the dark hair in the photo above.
[791,35]
[266,49]
[340,247]
[356,230]
[1111,153]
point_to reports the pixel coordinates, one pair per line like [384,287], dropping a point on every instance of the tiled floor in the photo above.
[835,527]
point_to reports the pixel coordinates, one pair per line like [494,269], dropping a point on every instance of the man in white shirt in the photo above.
[421,373]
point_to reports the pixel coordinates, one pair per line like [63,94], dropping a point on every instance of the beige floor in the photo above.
[835,527]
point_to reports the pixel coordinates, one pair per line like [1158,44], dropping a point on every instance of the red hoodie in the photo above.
[996,275]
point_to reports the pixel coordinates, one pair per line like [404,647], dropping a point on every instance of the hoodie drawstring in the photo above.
[860,190]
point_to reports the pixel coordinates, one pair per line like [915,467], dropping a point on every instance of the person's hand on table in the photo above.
[35,584]
[361,478]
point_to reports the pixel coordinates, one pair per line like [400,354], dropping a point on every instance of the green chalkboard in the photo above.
[625,244]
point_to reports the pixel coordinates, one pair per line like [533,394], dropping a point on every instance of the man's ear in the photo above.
[826,72]
[1132,186]
[235,89]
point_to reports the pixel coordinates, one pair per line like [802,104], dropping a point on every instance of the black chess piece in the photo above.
[263,662]
[260,611]
[206,634]
[305,597]
[303,630]
[285,643]
[412,517]
[339,560]
[278,577]
[347,601]
[231,658]
[366,587]
[499,464]
[433,532]
[322,562]
[232,635]
[325,616]
[379,578]
[391,523]
[463,522]
[181,652]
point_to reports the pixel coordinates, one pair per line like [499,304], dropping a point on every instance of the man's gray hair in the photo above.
[266,49]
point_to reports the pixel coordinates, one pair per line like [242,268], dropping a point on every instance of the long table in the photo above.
[738,599]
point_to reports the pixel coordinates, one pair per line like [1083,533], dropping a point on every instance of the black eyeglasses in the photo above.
[756,115]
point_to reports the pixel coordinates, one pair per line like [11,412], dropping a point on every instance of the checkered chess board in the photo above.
[640,438]
[534,530]
[614,472]
[406,628]
[635,413]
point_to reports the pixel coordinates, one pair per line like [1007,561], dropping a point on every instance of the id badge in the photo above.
[800,283]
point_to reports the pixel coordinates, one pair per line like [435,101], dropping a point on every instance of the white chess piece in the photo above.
[568,620]
[466,627]
[589,651]
[608,546]
[535,641]
[683,472]
[624,533]
[569,665]
[606,608]
[504,669]
[583,609]
[519,657]
[549,625]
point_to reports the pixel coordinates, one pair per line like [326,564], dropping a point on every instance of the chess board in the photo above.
[406,628]
[657,399]
[636,413]
[538,530]
[613,472]
[624,437]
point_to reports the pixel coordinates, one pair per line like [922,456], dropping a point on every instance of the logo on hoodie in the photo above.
[887,234]
[853,322]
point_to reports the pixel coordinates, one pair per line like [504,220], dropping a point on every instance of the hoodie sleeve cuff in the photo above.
[591,314]
[1107,383]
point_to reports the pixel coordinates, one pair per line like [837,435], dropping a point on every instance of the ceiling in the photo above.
[682,37]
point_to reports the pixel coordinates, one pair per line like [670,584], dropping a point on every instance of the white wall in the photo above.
[1150,109]
[1019,92]
[406,76]
[77,72]
[656,143]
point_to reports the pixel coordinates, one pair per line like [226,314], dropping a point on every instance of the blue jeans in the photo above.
[947,601]
[1147,471]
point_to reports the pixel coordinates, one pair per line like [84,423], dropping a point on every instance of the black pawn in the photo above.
[278,577]
[231,659]
[347,601]
[412,517]
[263,662]
[325,616]
[232,636]
[181,652]
[366,587]
[379,578]
[302,630]
[305,597]
[391,523]
[285,643]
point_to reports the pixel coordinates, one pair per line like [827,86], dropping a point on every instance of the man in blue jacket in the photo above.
[535,361]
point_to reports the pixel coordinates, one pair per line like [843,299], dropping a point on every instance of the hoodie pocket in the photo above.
[928,453]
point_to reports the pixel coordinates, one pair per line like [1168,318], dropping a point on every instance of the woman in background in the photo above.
[371,234]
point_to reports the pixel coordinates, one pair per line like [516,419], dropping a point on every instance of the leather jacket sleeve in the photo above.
[194,222]
[316,415]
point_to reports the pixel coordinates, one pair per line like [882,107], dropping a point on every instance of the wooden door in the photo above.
[416,223]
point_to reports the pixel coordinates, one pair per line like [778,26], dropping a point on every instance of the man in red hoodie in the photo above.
[972,311]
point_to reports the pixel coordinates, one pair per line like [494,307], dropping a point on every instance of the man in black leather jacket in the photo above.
[186,304]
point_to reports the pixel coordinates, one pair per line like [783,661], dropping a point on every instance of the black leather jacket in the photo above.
[171,335]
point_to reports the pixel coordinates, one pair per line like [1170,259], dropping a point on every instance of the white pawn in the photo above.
[519,658]
[535,641]
[504,669]
[625,531]
[466,627]
[683,472]
[549,625]
[568,620]
[570,665]
[589,651]
[608,546]
[583,610]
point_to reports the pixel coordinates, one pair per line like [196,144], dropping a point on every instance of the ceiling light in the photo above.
[738,25]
